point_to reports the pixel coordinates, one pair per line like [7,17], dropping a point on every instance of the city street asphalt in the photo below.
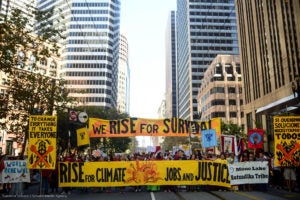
[33,190]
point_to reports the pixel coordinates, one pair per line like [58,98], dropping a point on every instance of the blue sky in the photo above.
[145,22]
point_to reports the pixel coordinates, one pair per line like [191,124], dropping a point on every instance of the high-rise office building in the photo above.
[7,5]
[269,39]
[25,6]
[171,70]
[220,94]
[90,48]
[123,76]
[205,28]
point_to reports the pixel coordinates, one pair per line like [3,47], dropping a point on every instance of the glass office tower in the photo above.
[205,28]
[90,49]
[171,69]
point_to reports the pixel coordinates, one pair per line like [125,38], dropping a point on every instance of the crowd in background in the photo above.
[281,178]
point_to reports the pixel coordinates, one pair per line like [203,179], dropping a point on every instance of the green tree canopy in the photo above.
[232,129]
[107,144]
[17,33]
[27,90]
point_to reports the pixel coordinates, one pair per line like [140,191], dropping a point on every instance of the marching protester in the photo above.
[46,175]
[158,156]
[231,159]
[262,157]
[298,177]
[277,178]
[67,158]
[168,188]
[247,157]
[180,155]
[289,174]
[124,158]
[244,157]
[191,187]
[53,179]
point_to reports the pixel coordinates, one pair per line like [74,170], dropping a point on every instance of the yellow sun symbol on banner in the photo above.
[145,173]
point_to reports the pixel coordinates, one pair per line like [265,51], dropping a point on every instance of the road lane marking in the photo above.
[152,196]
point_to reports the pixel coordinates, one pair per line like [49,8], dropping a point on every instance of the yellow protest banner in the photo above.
[135,173]
[82,137]
[130,127]
[42,142]
[287,141]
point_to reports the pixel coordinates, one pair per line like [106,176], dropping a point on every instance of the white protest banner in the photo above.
[15,171]
[248,172]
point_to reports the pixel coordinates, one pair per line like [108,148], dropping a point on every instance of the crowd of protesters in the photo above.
[281,178]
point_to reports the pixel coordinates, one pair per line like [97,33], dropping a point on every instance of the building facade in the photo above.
[205,28]
[269,39]
[90,48]
[47,67]
[171,70]
[25,6]
[123,76]
[220,94]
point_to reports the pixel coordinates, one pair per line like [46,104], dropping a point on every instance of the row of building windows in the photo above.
[92,91]
[211,34]
[98,91]
[98,100]
[89,65]
[201,63]
[222,78]
[104,42]
[212,27]
[89,49]
[90,26]
[215,41]
[221,14]
[217,90]
[230,90]
[94,19]
[216,102]
[88,11]
[90,57]
[87,19]
[213,20]
[92,12]
[89,82]
[116,1]
[89,74]
[198,69]
[218,114]
[94,34]
[196,56]
[228,68]
[86,4]
[223,114]
[45,5]
[211,6]
[209,26]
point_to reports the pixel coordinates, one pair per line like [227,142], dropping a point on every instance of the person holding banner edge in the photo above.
[289,174]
